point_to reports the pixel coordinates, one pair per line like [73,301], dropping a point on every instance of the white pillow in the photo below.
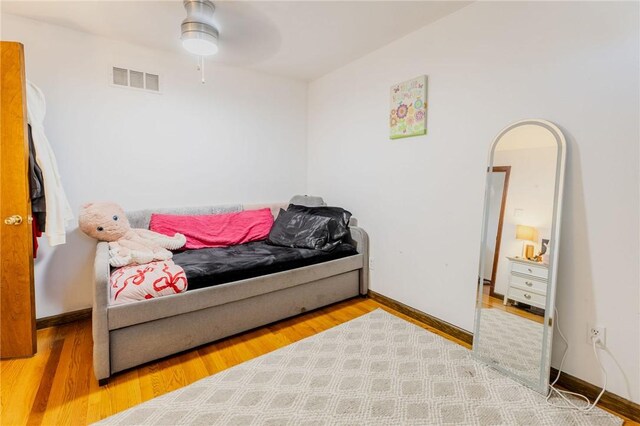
[140,282]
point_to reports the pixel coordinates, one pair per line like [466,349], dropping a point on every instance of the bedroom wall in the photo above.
[238,138]
[420,199]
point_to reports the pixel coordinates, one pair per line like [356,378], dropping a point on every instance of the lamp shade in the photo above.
[527,233]
[198,43]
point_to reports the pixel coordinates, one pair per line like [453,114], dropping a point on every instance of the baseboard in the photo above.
[427,319]
[609,400]
[64,318]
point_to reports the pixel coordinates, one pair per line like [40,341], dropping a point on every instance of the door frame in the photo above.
[496,255]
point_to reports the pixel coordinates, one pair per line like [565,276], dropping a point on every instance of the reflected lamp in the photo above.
[526,234]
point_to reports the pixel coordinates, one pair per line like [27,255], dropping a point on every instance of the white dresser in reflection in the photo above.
[527,282]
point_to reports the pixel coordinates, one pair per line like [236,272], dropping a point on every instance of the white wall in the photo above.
[420,199]
[238,138]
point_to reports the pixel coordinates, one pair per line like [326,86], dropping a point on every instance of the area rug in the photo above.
[374,370]
[512,341]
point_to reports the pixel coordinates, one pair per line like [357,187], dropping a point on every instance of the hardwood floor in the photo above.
[496,303]
[57,385]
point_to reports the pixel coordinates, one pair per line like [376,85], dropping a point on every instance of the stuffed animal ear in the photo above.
[87,205]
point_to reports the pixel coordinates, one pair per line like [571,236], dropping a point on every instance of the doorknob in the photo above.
[16,219]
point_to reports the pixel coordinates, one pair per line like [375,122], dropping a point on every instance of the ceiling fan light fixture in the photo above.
[199,43]
[199,36]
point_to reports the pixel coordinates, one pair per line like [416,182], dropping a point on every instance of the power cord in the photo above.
[562,393]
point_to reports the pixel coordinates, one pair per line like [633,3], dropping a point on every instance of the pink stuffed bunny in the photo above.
[108,222]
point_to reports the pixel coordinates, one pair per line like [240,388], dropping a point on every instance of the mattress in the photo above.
[213,266]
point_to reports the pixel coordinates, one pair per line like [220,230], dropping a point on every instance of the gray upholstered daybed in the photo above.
[128,335]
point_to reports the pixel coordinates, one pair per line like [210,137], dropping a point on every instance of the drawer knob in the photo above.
[529,269]
[529,283]
[528,296]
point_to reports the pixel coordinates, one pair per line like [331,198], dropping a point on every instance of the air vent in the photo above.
[152,82]
[123,77]
[136,79]
[120,76]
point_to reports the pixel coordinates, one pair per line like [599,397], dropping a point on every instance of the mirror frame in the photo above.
[554,244]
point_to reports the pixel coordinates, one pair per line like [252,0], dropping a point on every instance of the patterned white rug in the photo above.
[375,370]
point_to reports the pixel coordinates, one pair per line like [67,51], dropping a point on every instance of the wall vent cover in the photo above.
[135,79]
[120,76]
[152,82]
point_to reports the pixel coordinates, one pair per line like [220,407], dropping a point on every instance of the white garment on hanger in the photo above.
[58,209]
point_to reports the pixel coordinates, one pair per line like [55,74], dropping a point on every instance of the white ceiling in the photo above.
[299,39]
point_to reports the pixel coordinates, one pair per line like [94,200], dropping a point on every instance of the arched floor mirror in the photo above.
[519,251]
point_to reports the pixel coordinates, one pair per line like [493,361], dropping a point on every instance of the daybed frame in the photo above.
[131,334]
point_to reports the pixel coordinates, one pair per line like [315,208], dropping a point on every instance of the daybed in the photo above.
[131,334]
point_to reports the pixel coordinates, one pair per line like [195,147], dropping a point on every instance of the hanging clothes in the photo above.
[36,192]
[36,234]
[58,211]
[36,187]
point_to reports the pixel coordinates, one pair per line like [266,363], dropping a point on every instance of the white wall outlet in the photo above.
[597,331]
[371,263]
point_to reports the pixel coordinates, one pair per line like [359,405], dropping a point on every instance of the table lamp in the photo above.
[526,234]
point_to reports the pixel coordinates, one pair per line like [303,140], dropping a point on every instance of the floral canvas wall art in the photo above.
[408,115]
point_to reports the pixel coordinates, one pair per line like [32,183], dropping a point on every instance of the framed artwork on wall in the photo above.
[408,116]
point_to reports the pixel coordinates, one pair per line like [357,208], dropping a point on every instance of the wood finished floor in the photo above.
[497,303]
[57,385]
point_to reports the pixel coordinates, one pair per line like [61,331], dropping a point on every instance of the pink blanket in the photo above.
[215,230]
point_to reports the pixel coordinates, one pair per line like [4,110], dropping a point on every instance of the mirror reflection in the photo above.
[514,271]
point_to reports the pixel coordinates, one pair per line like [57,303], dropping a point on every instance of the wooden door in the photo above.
[17,299]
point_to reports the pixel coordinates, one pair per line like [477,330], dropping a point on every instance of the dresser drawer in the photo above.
[528,284]
[527,297]
[536,271]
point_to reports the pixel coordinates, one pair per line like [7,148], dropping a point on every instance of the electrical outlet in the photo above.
[599,332]
[371,263]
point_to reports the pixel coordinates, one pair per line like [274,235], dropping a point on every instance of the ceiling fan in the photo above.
[199,35]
